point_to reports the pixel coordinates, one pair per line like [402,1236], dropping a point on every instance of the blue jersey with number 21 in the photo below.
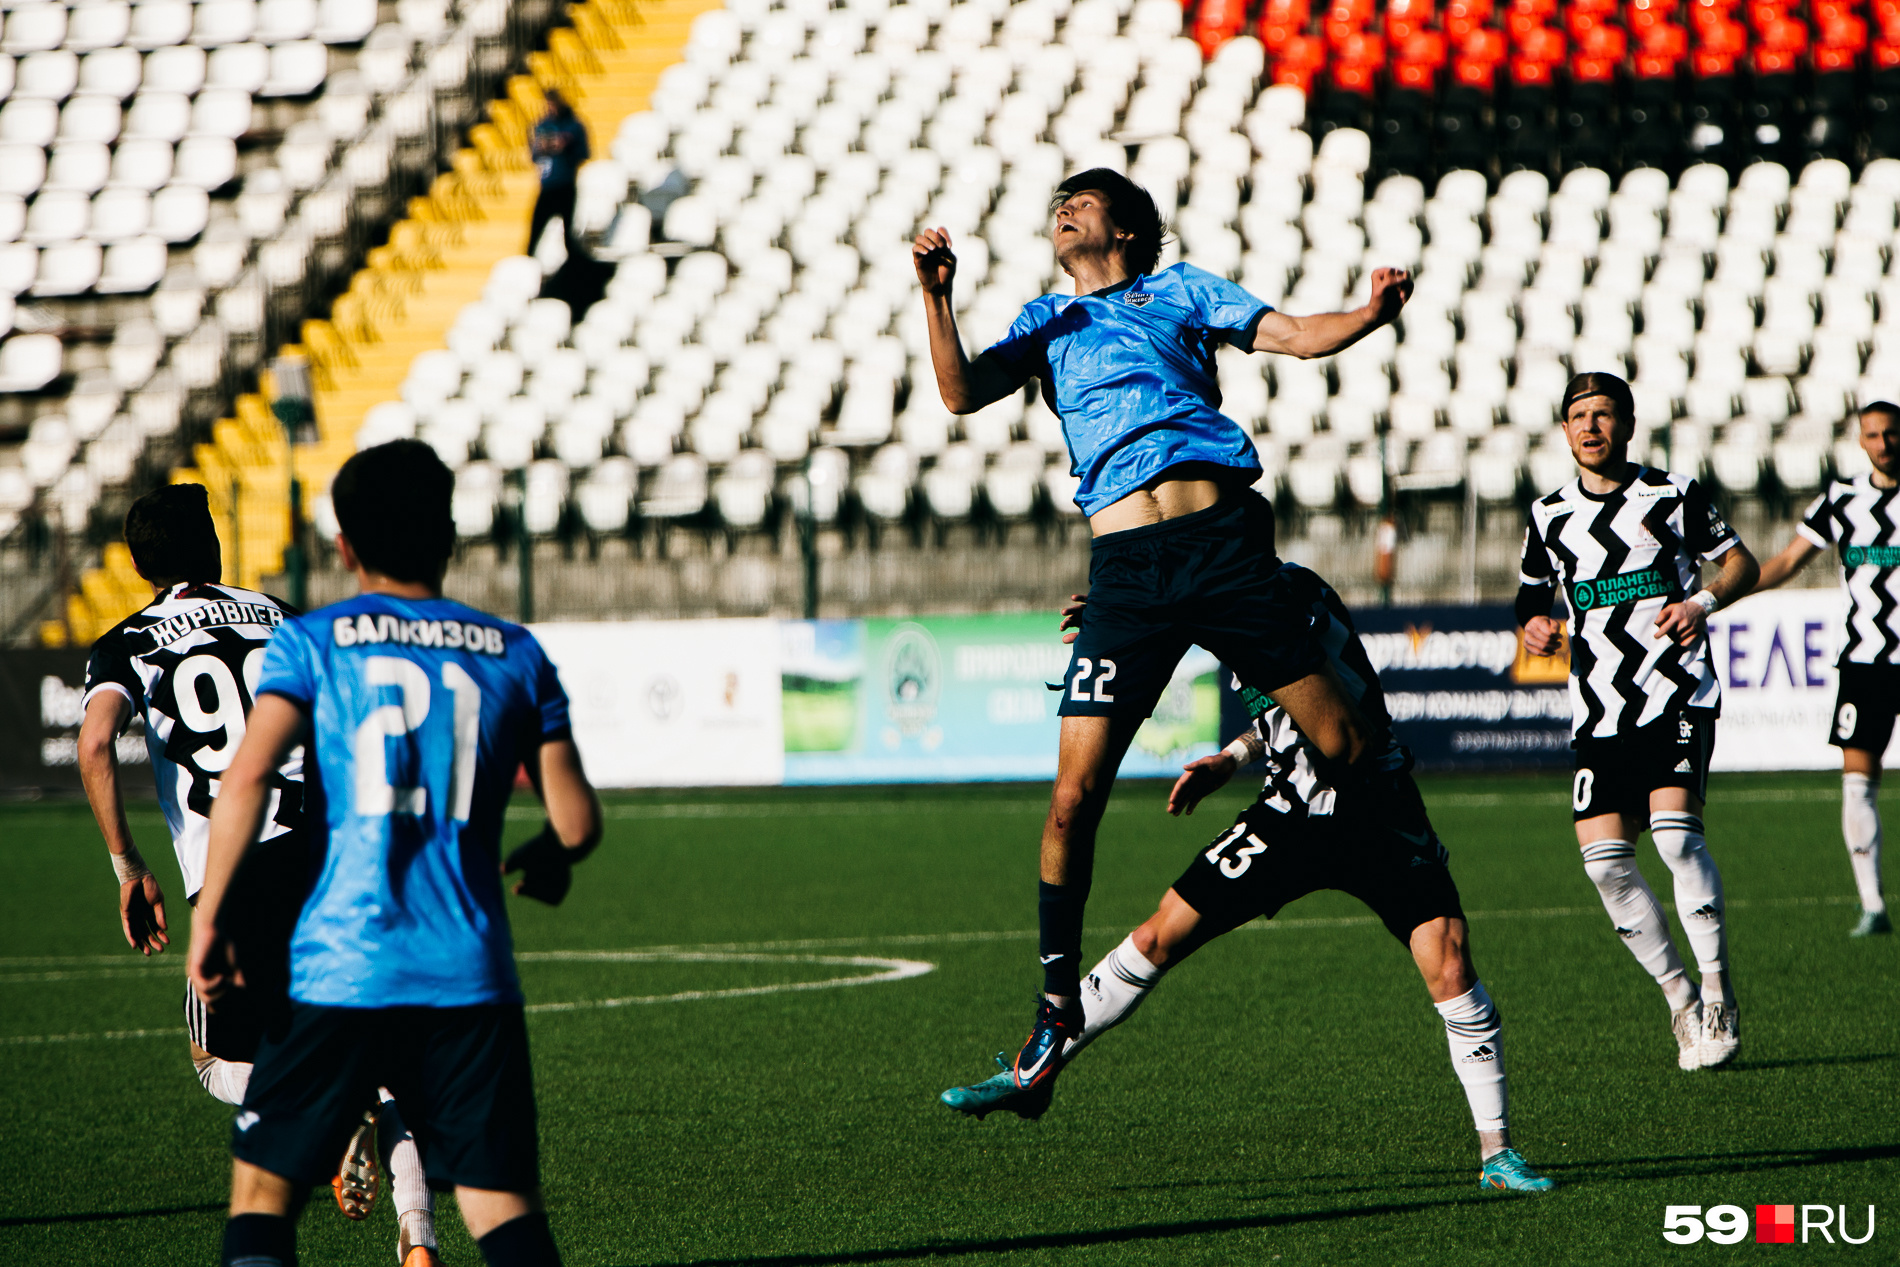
[420,710]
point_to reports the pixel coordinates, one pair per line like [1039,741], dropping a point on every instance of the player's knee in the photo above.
[1074,802]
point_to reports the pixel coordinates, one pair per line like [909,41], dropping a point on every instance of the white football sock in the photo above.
[1111,990]
[1477,1055]
[1637,915]
[1860,828]
[1699,905]
[225,1079]
[408,1185]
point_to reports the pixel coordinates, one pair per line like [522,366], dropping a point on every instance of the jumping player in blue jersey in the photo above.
[415,712]
[1183,550]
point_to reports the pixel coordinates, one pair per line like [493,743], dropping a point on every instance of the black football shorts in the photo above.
[1616,775]
[259,914]
[1864,706]
[460,1074]
[1384,852]
[1210,578]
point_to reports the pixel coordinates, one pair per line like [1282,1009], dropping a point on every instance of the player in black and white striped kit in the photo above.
[1862,517]
[187,663]
[1625,543]
[1317,824]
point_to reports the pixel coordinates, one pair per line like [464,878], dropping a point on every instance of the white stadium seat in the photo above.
[118,214]
[53,75]
[29,121]
[80,166]
[180,213]
[29,362]
[222,112]
[158,116]
[98,24]
[345,21]
[111,72]
[237,67]
[206,162]
[94,119]
[134,265]
[218,22]
[297,69]
[68,268]
[177,69]
[34,27]
[141,164]
[281,21]
[157,24]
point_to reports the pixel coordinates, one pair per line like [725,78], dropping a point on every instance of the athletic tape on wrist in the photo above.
[1245,749]
[129,866]
[1705,599]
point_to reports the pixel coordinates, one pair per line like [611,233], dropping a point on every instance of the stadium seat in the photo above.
[29,362]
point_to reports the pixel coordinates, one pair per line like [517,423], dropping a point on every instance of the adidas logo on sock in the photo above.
[1626,933]
[1707,910]
[1683,767]
[1479,1056]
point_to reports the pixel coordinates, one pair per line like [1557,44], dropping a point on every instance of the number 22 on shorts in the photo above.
[1104,674]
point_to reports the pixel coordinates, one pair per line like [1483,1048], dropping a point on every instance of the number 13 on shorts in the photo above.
[1104,672]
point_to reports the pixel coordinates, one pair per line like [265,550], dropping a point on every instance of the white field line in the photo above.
[887,970]
[734,951]
[1127,803]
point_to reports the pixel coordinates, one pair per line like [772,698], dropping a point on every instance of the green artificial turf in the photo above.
[1285,1097]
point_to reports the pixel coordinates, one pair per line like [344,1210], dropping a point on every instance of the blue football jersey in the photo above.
[421,710]
[1132,369]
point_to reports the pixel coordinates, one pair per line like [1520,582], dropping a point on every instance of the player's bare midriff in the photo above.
[1179,490]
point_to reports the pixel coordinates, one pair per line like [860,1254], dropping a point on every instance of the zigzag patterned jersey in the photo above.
[1861,520]
[188,662]
[1620,558]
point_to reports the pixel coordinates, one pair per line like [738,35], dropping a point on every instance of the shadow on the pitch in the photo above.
[1871,1058]
[1071,1240]
[108,1216]
[1731,1163]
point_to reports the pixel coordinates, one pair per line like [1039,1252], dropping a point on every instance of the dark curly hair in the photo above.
[1130,207]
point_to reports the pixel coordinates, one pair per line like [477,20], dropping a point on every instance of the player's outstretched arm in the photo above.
[274,727]
[1782,567]
[965,385]
[141,902]
[1205,776]
[574,824]
[1686,621]
[1325,333]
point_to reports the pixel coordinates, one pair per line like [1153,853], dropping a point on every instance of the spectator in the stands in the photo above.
[559,147]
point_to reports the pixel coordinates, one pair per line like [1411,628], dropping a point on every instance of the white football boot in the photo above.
[1686,1024]
[1721,1034]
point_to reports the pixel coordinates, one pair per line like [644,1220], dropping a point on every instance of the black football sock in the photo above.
[260,1240]
[1059,908]
[522,1242]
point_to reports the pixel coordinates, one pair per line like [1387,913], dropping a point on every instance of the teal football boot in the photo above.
[1509,1172]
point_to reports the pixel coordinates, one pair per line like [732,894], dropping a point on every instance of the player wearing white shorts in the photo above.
[1862,517]
[1625,543]
[187,663]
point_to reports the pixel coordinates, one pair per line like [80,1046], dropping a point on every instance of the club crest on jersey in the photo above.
[1870,556]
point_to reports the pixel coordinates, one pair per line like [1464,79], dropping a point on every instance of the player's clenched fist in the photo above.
[1391,287]
[1542,636]
[936,263]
